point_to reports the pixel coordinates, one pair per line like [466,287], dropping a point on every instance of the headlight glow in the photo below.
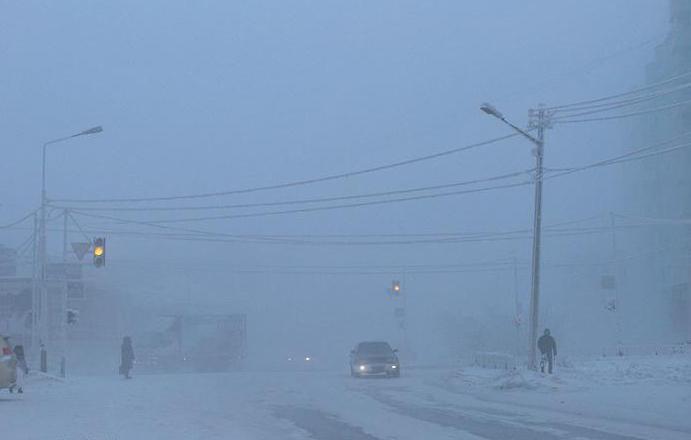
[362,368]
[394,367]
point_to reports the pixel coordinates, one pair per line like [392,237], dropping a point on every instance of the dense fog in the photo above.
[277,160]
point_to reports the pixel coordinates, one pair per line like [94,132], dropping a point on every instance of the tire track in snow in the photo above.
[321,425]
[492,428]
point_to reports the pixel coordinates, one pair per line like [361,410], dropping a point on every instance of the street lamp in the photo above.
[42,253]
[539,141]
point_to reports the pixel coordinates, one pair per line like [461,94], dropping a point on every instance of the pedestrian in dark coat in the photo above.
[22,369]
[548,348]
[126,357]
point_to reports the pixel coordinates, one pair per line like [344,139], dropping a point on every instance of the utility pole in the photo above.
[34,292]
[518,318]
[42,257]
[65,214]
[63,308]
[615,270]
[540,120]
[537,121]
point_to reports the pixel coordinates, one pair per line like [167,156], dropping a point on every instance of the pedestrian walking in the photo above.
[21,368]
[126,357]
[548,348]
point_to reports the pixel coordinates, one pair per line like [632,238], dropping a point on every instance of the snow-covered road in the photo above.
[424,404]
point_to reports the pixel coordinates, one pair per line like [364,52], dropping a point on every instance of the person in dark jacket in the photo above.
[21,368]
[126,357]
[548,348]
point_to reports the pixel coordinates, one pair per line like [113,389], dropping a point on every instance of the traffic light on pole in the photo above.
[99,252]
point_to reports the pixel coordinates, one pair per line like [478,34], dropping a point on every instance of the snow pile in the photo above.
[514,379]
[633,370]
[583,374]
[580,375]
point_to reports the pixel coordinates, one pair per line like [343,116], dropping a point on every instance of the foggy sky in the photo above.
[215,95]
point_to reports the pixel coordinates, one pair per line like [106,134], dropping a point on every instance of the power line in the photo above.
[119,221]
[554,230]
[626,115]
[303,201]
[621,159]
[297,182]
[401,239]
[609,106]
[342,206]
[17,222]
[607,162]
[620,95]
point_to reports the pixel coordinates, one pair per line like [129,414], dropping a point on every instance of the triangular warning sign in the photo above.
[80,249]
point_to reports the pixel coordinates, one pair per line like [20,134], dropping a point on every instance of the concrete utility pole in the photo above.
[42,251]
[616,273]
[540,120]
[537,238]
[65,215]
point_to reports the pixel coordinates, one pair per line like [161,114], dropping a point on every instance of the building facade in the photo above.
[660,187]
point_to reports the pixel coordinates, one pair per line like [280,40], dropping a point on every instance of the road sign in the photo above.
[80,249]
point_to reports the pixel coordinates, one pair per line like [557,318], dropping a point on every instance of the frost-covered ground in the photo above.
[617,399]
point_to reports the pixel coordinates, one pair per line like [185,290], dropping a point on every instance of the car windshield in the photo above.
[345,219]
[375,348]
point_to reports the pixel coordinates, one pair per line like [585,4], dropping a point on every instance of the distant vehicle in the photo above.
[8,362]
[374,358]
[301,362]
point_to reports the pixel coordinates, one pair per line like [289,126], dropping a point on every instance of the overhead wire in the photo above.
[303,201]
[620,95]
[607,162]
[609,106]
[566,120]
[295,183]
[621,159]
[19,221]
[342,206]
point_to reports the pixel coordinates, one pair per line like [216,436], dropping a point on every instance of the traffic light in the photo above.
[396,287]
[99,252]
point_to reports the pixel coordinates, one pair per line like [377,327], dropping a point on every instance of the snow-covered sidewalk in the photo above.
[653,390]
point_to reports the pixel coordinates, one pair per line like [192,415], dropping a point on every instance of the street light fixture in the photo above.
[491,110]
[539,141]
[92,130]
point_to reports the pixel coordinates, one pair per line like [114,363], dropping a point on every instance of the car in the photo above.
[8,362]
[301,361]
[374,358]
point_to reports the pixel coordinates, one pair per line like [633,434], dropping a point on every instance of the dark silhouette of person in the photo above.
[22,369]
[548,348]
[126,357]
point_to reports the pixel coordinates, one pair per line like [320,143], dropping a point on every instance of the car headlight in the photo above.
[394,366]
[362,368]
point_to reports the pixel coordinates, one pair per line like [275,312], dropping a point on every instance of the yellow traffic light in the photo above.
[99,252]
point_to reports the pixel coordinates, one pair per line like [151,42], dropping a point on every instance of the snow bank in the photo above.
[645,389]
